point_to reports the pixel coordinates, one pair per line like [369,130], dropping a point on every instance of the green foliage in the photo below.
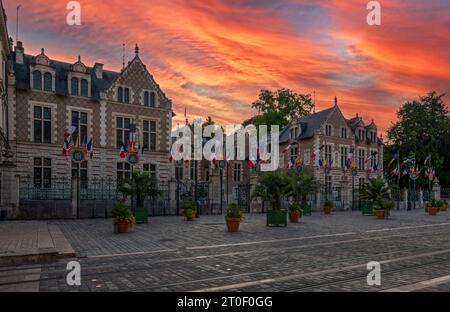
[279,107]
[423,128]
[385,204]
[188,207]
[295,207]
[300,185]
[375,190]
[122,213]
[141,185]
[328,204]
[233,212]
[272,186]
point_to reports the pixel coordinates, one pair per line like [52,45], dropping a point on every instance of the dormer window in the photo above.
[361,135]
[48,82]
[123,95]
[37,80]
[294,133]
[328,130]
[126,95]
[84,90]
[74,87]
[344,133]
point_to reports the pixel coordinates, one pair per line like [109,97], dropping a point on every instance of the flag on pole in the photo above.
[84,146]
[90,149]
[69,132]
[123,152]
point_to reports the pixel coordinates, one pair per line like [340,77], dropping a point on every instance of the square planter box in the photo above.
[277,218]
[141,215]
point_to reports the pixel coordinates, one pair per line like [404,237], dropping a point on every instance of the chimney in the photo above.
[20,51]
[98,70]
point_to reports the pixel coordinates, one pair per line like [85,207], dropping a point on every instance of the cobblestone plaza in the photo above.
[321,253]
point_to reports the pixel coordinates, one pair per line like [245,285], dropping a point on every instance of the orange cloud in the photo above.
[214,56]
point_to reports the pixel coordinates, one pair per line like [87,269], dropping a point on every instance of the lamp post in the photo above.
[222,165]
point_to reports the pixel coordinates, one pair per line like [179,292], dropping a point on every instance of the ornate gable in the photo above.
[42,59]
[137,78]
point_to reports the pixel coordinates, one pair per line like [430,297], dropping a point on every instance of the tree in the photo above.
[300,185]
[278,108]
[375,190]
[141,185]
[423,129]
[271,186]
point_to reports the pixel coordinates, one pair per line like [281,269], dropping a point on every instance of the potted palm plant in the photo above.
[122,217]
[444,206]
[233,217]
[300,186]
[432,207]
[272,186]
[140,186]
[376,192]
[328,207]
[295,212]
[188,209]
[383,208]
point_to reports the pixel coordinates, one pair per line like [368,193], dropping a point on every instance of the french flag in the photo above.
[90,149]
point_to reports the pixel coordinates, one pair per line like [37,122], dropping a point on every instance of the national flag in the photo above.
[320,163]
[287,148]
[65,150]
[123,152]
[368,159]
[427,160]
[391,163]
[170,157]
[69,132]
[250,163]
[90,149]
[70,144]
[84,146]
[77,143]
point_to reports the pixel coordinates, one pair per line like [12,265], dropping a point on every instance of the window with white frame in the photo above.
[328,130]
[237,172]
[344,153]
[149,135]
[151,169]
[42,127]
[361,159]
[328,153]
[123,95]
[123,127]
[80,122]
[344,133]
[42,172]
[294,153]
[123,172]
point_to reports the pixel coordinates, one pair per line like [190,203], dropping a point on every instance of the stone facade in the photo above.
[102,105]
[336,139]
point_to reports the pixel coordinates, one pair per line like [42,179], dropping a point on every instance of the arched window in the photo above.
[146,99]
[120,94]
[48,82]
[74,86]
[152,99]
[126,95]
[84,88]
[37,80]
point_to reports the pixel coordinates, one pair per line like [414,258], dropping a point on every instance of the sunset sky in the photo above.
[215,56]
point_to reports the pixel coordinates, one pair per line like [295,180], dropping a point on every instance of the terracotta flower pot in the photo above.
[190,217]
[327,210]
[432,211]
[233,224]
[122,227]
[380,213]
[294,216]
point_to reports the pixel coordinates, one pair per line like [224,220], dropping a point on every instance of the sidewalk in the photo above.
[28,242]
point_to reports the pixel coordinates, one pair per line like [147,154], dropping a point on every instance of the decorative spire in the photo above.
[335,100]
[123,55]
[79,58]
[136,50]
[42,51]
[185,115]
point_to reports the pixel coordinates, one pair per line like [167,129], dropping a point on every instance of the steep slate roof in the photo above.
[22,73]
[309,124]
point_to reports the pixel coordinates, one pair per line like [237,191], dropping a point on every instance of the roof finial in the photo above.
[335,101]
[79,58]
[136,50]
[42,51]
[123,55]
[185,115]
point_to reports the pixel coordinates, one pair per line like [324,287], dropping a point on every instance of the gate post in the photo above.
[73,196]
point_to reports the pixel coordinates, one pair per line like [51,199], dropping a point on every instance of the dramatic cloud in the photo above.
[215,56]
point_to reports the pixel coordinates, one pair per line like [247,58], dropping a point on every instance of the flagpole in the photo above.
[398,179]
